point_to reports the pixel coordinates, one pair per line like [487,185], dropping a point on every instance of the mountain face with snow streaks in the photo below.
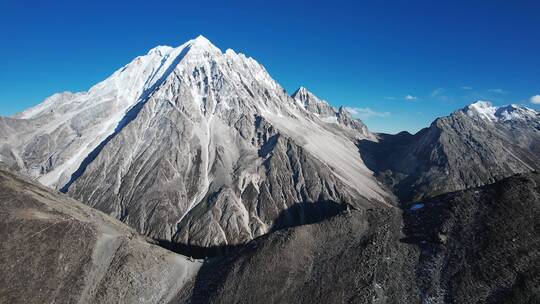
[196,145]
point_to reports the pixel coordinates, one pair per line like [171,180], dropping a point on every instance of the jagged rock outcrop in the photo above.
[57,250]
[345,118]
[330,115]
[474,146]
[480,245]
[314,104]
[474,246]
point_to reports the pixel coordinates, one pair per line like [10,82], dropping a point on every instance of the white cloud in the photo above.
[535,99]
[498,91]
[466,88]
[410,97]
[390,97]
[365,113]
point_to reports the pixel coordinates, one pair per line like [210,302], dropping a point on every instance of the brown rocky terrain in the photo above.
[57,250]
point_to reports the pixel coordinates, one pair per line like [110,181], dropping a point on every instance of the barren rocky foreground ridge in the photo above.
[198,152]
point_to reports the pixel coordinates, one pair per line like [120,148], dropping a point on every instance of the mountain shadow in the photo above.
[385,159]
[306,213]
[299,214]
[198,252]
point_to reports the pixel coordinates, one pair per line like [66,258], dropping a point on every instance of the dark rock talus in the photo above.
[475,246]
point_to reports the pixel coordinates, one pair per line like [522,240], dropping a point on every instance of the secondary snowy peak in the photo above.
[486,111]
[515,112]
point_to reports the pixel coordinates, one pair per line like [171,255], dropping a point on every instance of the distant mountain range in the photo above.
[204,153]
[474,146]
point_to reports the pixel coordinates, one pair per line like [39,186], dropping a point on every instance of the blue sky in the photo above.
[399,64]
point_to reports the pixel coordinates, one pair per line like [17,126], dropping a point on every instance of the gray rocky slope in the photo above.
[196,146]
[474,246]
[57,250]
[473,146]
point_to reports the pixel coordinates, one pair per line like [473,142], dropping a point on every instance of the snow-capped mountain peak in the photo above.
[179,124]
[481,109]
[202,40]
[486,111]
[201,44]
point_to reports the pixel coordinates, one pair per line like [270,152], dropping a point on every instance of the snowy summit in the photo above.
[486,111]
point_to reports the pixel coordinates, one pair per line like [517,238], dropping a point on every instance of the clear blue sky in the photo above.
[368,56]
